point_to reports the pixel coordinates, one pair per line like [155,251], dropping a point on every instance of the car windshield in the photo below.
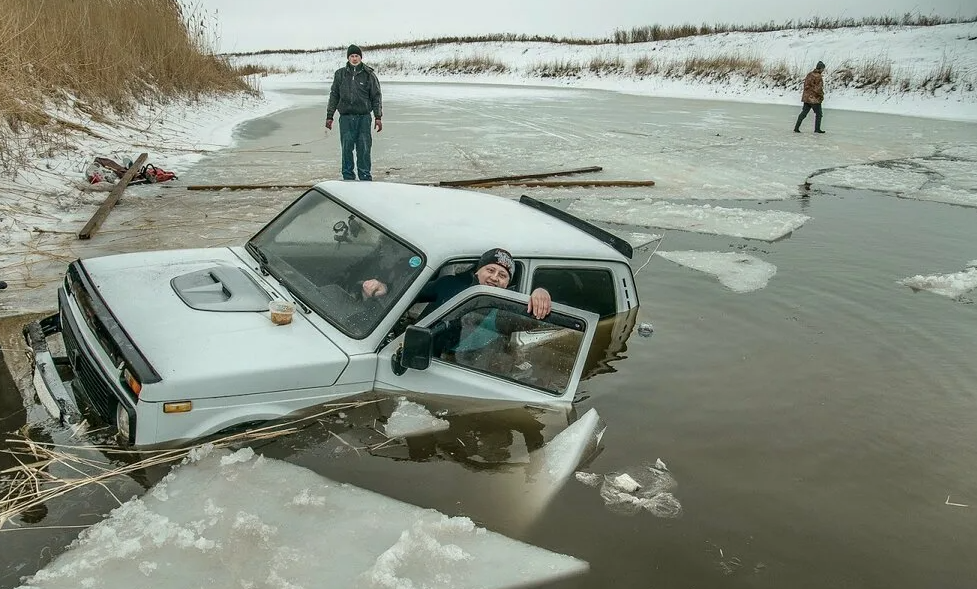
[323,252]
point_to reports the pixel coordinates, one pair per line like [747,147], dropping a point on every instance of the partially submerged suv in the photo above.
[172,346]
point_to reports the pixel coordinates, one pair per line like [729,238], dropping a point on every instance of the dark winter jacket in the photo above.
[355,91]
[813,88]
[437,292]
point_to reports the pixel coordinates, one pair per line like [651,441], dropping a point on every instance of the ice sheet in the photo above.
[736,271]
[945,178]
[528,490]
[236,520]
[954,285]
[766,225]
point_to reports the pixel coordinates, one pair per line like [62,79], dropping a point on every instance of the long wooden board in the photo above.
[566,183]
[518,177]
[103,211]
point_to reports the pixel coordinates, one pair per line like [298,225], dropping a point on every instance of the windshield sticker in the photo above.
[415,261]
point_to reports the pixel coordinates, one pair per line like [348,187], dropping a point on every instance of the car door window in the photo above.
[498,337]
[591,289]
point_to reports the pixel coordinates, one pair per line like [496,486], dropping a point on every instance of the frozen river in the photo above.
[814,424]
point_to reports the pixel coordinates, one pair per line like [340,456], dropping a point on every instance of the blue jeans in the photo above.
[354,133]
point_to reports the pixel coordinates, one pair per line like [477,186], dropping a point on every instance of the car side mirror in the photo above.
[418,347]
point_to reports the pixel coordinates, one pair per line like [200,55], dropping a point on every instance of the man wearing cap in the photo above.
[812,98]
[494,268]
[355,94]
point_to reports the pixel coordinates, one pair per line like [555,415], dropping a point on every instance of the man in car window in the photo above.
[494,268]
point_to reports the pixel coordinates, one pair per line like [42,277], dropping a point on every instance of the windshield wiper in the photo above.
[263,266]
[262,258]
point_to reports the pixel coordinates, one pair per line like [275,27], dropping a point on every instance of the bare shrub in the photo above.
[645,66]
[722,66]
[606,66]
[557,69]
[942,75]
[254,69]
[472,64]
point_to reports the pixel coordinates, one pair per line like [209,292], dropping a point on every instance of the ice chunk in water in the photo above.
[625,483]
[751,224]
[279,525]
[738,272]
[645,488]
[412,419]
[949,285]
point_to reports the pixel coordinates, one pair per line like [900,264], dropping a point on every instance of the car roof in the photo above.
[447,223]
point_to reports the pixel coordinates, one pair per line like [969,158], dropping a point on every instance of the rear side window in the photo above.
[590,289]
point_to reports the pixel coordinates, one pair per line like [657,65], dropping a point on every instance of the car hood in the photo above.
[212,350]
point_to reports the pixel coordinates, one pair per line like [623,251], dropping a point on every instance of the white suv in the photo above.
[172,346]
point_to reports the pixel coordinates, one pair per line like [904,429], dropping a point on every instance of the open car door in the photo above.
[483,344]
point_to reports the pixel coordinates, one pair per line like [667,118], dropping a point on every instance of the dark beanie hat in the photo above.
[497,256]
[819,66]
[354,49]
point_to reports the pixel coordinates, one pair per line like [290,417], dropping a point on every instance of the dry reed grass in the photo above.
[472,64]
[30,485]
[99,55]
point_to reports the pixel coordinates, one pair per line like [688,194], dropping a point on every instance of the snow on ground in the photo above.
[736,271]
[910,52]
[412,419]
[954,285]
[749,224]
[228,518]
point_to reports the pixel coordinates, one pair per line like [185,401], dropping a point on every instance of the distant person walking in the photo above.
[355,94]
[812,98]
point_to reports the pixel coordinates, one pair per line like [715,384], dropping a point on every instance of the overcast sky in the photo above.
[249,25]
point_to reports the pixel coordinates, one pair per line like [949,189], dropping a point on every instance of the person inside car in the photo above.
[494,268]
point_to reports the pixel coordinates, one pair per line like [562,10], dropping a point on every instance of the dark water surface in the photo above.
[815,427]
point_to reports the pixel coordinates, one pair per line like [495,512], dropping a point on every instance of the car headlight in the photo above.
[122,420]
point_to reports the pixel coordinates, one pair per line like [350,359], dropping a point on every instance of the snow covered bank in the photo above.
[869,68]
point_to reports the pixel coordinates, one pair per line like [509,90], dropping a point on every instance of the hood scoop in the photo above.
[221,288]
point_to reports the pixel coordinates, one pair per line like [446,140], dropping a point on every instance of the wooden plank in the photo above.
[518,177]
[568,183]
[103,211]
[245,186]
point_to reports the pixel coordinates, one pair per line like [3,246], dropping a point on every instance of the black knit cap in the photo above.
[498,256]
[819,66]
[354,49]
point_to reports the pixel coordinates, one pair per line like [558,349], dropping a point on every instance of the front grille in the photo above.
[96,389]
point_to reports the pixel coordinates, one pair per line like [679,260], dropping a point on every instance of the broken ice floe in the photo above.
[944,178]
[644,487]
[234,521]
[412,419]
[954,285]
[746,223]
[738,272]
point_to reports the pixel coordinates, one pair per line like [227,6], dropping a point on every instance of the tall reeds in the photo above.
[103,54]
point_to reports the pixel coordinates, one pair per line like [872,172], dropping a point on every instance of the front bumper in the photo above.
[92,393]
[51,392]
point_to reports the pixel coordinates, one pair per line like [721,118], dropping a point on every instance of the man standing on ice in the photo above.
[355,94]
[812,98]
